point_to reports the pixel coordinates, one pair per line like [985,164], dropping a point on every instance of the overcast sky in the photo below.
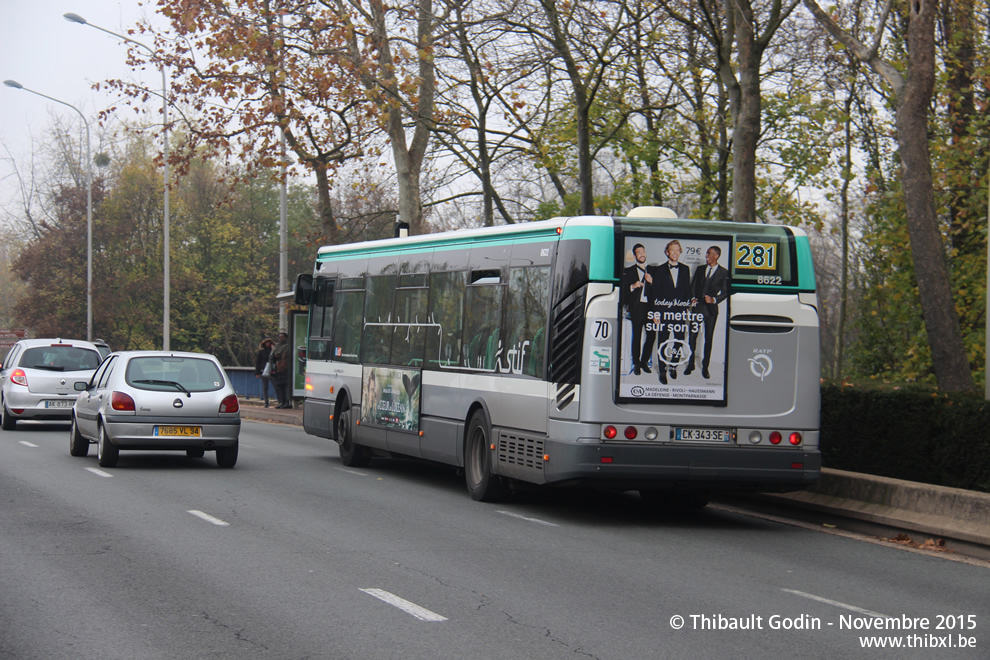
[48,54]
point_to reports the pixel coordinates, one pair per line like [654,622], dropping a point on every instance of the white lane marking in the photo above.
[360,474]
[420,613]
[836,603]
[528,519]
[208,518]
[27,444]
[98,472]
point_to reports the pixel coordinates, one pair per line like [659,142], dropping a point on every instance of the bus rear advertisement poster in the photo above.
[391,398]
[674,330]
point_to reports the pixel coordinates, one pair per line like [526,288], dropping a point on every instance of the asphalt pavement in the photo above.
[923,515]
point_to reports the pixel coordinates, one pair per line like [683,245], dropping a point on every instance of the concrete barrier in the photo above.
[938,511]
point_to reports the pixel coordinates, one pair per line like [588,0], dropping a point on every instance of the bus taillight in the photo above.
[775,437]
[795,438]
[631,433]
[610,432]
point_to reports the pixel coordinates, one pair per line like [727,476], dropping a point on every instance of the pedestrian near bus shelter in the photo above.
[280,370]
[260,361]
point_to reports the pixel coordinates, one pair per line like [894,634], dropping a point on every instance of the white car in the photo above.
[157,400]
[38,377]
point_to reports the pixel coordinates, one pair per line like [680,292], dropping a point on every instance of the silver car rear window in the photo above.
[60,357]
[173,374]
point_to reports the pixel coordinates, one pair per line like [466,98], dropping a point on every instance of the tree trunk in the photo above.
[840,329]
[327,222]
[745,117]
[958,33]
[941,320]
[913,92]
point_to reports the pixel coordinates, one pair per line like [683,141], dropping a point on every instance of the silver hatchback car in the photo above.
[157,400]
[38,377]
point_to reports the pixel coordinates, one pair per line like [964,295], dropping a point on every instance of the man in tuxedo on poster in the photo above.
[636,284]
[710,287]
[671,294]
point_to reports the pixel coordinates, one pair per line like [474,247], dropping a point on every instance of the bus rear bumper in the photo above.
[637,466]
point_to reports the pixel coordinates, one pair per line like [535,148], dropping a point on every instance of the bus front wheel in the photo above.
[481,483]
[351,454]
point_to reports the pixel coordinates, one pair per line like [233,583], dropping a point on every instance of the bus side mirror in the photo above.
[303,289]
[80,386]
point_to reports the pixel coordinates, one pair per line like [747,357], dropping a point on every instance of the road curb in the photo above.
[938,511]
[256,411]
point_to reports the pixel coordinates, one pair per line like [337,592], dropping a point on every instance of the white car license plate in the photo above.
[702,435]
[179,431]
[59,403]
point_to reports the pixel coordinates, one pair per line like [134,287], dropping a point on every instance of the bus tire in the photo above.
[481,483]
[78,445]
[351,453]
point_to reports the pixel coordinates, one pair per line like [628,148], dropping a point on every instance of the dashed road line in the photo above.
[27,444]
[528,519]
[98,472]
[415,610]
[208,518]
[829,601]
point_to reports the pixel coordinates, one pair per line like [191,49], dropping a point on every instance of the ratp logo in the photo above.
[761,366]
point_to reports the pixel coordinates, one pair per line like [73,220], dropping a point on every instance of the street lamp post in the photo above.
[89,207]
[166,321]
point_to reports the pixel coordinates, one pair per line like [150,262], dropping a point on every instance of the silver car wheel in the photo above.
[78,445]
[106,450]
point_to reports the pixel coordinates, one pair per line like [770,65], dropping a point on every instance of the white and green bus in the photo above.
[674,357]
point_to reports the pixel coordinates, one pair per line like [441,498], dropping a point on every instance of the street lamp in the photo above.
[89,207]
[166,323]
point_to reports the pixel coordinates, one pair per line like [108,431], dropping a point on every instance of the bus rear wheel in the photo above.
[481,483]
[351,453]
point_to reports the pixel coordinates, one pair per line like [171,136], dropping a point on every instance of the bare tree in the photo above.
[740,34]
[913,91]
[392,51]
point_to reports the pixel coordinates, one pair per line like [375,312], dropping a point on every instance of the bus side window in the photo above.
[348,325]
[483,314]
[409,336]
[320,320]
[446,318]
[526,319]
[378,318]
